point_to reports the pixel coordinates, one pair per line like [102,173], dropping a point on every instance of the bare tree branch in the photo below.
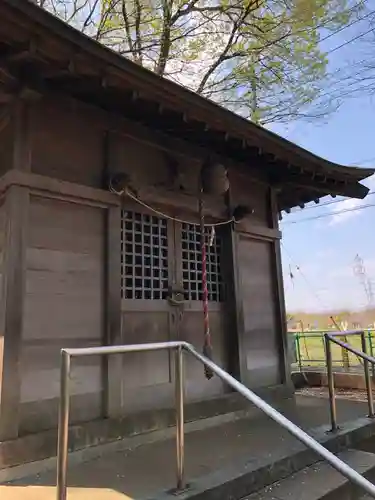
[165,40]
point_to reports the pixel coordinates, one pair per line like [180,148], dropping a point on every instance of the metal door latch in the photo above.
[176,296]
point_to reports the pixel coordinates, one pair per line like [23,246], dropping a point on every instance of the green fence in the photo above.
[307,350]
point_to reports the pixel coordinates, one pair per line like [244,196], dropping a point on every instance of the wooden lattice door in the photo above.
[146,276]
[162,300]
[190,327]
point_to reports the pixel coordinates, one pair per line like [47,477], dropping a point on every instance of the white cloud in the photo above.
[347,209]
[325,284]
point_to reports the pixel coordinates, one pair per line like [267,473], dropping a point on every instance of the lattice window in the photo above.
[144,256]
[192,264]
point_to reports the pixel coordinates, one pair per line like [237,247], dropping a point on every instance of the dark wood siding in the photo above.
[245,191]
[65,303]
[6,148]
[63,308]
[260,337]
[66,143]
[3,220]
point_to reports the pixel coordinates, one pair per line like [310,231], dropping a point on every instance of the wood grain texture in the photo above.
[147,378]
[16,206]
[161,179]
[113,380]
[191,330]
[49,187]
[279,295]
[6,146]
[23,125]
[64,299]
[66,144]
[260,342]
[253,195]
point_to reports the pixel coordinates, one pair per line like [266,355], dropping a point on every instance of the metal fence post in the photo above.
[371,351]
[331,383]
[298,348]
[62,444]
[367,376]
[180,448]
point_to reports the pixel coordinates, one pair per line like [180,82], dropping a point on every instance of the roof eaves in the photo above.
[170,91]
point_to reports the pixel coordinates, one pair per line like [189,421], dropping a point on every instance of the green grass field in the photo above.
[310,349]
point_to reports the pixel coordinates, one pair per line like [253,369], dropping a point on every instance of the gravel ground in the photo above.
[322,392]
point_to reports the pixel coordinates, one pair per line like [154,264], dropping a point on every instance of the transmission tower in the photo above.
[360,271]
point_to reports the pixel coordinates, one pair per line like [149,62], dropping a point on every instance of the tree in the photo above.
[356,77]
[259,58]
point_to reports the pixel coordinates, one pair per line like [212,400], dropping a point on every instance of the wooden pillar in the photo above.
[235,324]
[13,276]
[229,268]
[113,372]
[114,385]
[280,297]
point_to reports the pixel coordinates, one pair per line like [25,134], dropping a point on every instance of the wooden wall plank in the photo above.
[66,143]
[244,191]
[64,304]
[17,206]
[259,333]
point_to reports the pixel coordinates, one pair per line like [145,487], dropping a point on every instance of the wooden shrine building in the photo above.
[83,266]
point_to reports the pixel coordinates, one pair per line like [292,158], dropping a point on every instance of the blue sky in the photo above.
[324,249]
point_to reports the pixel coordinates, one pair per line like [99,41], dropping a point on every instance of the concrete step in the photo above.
[227,461]
[321,482]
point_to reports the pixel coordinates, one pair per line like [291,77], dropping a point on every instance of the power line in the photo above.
[342,28]
[349,41]
[308,283]
[287,74]
[340,212]
[347,26]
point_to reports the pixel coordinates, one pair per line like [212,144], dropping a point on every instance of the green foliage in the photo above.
[260,58]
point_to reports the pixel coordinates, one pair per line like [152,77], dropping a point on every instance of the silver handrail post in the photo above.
[366,368]
[180,447]
[331,384]
[63,429]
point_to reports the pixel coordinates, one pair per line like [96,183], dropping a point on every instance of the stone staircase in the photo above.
[240,458]
[320,481]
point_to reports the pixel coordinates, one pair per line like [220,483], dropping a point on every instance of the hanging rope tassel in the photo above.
[207,346]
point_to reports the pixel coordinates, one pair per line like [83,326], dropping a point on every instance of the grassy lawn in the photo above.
[311,347]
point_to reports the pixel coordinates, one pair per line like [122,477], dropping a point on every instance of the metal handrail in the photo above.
[367,359]
[179,348]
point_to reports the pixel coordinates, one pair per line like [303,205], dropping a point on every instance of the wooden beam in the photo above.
[14,274]
[315,186]
[113,376]
[114,394]
[19,52]
[258,232]
[49,187]
[22,120]
[182,139]
[12,300]
[280,298]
